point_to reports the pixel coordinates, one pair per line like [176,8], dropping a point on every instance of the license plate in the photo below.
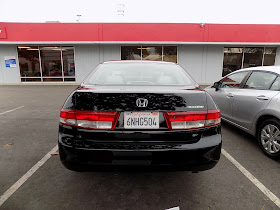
[141,120]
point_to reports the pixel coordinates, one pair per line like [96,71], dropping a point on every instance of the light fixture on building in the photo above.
[143,48]
[49,47]
[23,47]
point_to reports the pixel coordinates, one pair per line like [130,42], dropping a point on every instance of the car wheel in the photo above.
[269,137]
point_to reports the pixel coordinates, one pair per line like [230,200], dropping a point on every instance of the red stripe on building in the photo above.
[138,32]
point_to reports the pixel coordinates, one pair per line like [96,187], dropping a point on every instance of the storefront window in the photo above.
[232,60]
[253,56]
[170,54]
[29,61]
[152,53]
[48,63]
[51,62]
[269,56]
[155,53]
[131,53]
[243,57]
[68,63]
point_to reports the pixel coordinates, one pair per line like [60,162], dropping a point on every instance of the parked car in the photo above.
[140,113]
[249,99]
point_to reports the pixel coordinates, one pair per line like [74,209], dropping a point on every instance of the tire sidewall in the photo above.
[274,122]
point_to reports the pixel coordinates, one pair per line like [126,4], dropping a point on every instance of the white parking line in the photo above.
[29,173]
[174,208]
[11,110]
[25,177]
[253,179]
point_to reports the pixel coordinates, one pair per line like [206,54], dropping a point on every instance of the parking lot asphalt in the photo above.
[30,132]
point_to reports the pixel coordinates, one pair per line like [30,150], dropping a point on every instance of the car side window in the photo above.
[260,80]
[276,84]
[234,80]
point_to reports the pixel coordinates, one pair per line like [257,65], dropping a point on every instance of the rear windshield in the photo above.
[133,74]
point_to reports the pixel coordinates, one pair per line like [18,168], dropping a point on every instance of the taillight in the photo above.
[103,120]
[97,119]
[213,118]
[182,120]
[68,117]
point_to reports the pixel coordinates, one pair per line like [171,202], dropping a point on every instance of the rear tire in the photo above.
[269,137]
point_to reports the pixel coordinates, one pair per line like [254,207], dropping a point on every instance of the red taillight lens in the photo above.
[104,120]
[186,116]
[213,118]
[68,117]
[192,119]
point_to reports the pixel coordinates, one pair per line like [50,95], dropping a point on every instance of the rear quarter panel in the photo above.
[272,109]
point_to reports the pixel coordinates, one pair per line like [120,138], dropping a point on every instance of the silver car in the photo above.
[249,99]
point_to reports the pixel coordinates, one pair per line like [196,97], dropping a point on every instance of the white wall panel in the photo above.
[86,59]
[112,52]
[8,75]
[204,63]
[214,64]
[190,57]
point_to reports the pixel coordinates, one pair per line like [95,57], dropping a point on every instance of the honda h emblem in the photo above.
[142,102]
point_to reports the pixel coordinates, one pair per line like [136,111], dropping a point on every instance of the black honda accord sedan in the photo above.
[139,113]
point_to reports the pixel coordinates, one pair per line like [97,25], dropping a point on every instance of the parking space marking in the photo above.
[11,110]
[26,176]
[253,179]
[41,162]
[174,208]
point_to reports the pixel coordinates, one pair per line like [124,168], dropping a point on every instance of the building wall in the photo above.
[87,57]
[214,64]
[204,63]
[112,52]
[9,75]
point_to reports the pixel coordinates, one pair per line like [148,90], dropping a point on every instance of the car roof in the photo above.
[275,69]
[139,61]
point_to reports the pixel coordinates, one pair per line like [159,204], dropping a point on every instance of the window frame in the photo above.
[63,77]
[243,54]
[251,72]
[278,76]
[241,83]
[155,45]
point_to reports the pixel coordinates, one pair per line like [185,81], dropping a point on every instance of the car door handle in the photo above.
[230,95]
[263,98]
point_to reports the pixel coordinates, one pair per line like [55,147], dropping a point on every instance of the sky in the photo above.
[157,11]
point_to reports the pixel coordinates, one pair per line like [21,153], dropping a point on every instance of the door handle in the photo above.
[230,95]
[263,98]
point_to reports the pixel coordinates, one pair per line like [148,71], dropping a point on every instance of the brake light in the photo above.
[182,120]
[68,117]
[103,120]
[213,118]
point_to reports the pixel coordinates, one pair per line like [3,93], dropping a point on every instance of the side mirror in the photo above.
[216,85]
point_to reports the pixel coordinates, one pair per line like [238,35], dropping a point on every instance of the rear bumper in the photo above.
[199,156]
